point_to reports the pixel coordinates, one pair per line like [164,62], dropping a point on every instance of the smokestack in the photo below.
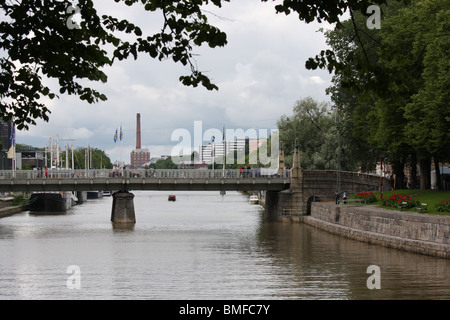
[138,131]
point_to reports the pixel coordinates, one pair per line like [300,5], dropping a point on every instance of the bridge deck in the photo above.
[113,180]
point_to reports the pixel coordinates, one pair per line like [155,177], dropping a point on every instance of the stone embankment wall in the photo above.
[9,211]
[414,232]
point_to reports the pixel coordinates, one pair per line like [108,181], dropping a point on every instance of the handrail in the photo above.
[145,173]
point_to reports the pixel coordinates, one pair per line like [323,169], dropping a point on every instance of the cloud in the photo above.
[260,75]
[317,80]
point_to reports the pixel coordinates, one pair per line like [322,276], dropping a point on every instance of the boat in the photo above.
[253,199]
[51,201]
[94,194]
[172,198]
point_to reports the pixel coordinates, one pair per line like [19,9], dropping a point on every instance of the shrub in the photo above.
[443,206]
[369,197]
[396,199]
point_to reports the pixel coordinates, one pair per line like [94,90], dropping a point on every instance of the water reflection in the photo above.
[203,246]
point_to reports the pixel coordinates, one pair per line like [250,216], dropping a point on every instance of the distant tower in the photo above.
[138,131]
[139,157]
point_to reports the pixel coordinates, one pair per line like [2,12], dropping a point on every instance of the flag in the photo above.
[11,153]
[213,138]
[223,134]
[115,137]
[12,138]
[121,133]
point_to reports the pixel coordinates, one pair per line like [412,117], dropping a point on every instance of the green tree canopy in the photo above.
[314,124]
[392,84]
[39,39]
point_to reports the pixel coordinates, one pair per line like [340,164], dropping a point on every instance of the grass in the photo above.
[430,197]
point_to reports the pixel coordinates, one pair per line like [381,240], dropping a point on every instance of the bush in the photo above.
[369,197]
[19,199]
[443,206]
[397,199]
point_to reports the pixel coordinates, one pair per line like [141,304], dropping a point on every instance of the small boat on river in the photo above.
[172,198]
[253,199]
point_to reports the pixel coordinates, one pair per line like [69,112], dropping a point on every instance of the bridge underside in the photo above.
[128,184]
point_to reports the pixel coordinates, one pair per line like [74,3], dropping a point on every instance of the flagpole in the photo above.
[224,151]
[13,137]
[121,135]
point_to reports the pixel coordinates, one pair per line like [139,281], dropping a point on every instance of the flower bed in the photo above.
[404,200]
[369,197]
[443,206]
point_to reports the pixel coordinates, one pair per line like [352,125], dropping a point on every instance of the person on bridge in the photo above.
[336,196]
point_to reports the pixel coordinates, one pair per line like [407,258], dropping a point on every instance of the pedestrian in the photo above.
[46,172]
[344,196]
[336,197]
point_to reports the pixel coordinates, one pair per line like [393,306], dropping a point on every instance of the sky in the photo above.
[260,74]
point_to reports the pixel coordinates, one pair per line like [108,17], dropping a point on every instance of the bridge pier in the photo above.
[122,211]
[279,203]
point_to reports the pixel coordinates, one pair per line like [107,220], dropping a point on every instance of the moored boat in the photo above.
[51,201]
[253,199]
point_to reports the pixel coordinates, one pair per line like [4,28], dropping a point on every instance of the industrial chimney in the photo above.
[138,131]
[139,157]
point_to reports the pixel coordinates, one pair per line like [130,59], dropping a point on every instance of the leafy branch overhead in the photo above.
[38,41]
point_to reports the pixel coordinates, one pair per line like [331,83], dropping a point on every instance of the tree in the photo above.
[166,163]
[393,83]
[39,39]
[314,124]
[99,159]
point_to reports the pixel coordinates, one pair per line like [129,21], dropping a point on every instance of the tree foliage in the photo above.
[315,126]
[39,39]
[392,84]
[98,159]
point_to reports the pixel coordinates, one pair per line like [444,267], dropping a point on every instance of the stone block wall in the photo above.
[415,232]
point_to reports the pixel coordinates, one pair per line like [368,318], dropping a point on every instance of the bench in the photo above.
[403,205]
[423,207]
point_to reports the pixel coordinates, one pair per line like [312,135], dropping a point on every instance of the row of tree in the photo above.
[82,157]
[390,94]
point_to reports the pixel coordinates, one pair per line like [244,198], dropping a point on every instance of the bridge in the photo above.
[144,179]
[285,190]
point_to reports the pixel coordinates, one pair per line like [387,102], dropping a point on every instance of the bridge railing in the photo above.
[145,173]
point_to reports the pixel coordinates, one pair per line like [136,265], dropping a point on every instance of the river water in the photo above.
[203,246]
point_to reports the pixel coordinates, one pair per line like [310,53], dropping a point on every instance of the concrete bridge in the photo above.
[286,191]
[140,179]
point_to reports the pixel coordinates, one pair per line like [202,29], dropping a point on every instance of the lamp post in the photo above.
[338,182]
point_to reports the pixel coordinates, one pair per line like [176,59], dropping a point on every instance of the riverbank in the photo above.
[409,231]
[9,211]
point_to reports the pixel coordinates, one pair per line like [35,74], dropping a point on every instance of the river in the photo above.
[203,246]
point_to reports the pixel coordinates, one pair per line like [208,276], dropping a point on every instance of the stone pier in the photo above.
[288,201]
[123,208]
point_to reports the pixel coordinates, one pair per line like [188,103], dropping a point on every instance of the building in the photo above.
[217,150]
[139,156]
[5,144]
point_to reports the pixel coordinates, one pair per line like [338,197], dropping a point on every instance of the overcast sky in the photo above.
[260,74]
